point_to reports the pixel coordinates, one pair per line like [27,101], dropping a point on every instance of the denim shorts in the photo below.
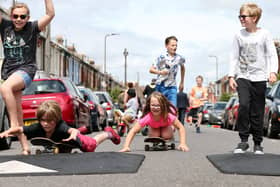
[25,77]
[169,92]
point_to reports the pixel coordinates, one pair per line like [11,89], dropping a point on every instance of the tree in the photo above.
[225,97]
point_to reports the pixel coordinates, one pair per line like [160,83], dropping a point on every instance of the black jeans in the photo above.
[251,109]
[181,113]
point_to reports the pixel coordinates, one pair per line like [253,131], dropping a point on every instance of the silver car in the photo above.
[107,103]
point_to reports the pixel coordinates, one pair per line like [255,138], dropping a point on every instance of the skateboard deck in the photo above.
[51,146]
[158,144]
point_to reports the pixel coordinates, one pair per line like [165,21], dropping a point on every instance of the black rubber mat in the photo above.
[70,164]
[247,164]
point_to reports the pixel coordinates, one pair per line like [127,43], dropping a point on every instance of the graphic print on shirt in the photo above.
[165,62]
[15,47]
[248,55]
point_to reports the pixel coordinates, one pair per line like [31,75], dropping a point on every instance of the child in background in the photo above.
[131,108]
[53,127]
[160,115]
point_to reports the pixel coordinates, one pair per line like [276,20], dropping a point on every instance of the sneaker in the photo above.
[241,148]
[197,129]
[258,150]
[116,139]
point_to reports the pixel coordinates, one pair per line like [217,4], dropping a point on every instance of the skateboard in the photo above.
[158,144]
[51,146]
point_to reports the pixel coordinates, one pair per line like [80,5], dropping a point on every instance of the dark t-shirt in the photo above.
[60,132]
[19,48]
[182,100]
[149,90]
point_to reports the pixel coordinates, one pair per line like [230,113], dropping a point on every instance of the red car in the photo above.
[75,111]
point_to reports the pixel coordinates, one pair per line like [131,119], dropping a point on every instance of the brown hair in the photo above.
[252,9]
[19,5]
[167,40]
[199,77]
[51,109]
[165,105]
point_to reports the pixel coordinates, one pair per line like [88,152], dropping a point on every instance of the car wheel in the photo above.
[271,133]
[5,143]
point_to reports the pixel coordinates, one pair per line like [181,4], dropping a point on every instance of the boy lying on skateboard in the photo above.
[53,127]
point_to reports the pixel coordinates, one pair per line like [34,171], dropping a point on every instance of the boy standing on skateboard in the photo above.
[53,127]
[253,62]
[19,38]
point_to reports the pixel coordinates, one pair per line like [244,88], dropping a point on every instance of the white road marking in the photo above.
[15,167]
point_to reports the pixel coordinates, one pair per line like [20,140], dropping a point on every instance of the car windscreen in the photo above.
[45,86]
[101,97]
[219,106]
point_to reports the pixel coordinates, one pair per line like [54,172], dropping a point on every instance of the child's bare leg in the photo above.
[11,93]
[22,138]
[199,119]
[154,132]
[101,137]
[167,132]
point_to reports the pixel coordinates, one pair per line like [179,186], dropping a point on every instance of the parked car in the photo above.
[97,112]
[5,143]
[216,114]
[205,112]
[75,111]
[228,114]
[107,102]
[272,112]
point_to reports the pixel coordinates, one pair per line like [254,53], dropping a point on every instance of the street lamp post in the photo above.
[105,48]
[125,53]
[216,58]
[105,40]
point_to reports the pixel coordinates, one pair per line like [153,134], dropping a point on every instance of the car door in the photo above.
[81,107]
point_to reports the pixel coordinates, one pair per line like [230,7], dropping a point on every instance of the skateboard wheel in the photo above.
[173,146]
[147,147]
[56,150]
[38,151]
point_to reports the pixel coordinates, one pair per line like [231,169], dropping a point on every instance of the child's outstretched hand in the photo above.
[183,147]
[125,149]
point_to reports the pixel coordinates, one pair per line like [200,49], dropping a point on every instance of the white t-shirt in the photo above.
[253,56]
[167,62]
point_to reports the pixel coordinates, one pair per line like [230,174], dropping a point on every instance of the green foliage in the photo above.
[225,97]
[114,93]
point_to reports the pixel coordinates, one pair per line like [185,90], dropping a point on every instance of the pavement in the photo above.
[164,168]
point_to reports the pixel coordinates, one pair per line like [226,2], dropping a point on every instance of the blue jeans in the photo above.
[169,92]
[25,77]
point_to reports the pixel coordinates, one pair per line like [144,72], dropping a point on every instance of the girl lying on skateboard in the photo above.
[160,115]
[53,127]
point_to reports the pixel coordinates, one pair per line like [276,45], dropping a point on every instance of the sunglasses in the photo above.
[244,16]
[15,16]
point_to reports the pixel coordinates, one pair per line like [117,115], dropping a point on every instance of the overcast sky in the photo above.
[203,27]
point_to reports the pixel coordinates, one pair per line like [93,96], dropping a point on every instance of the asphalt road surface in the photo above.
[164,168]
